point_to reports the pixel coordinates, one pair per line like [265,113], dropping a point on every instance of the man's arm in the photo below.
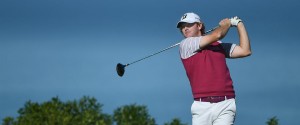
[243,49]
[217,34]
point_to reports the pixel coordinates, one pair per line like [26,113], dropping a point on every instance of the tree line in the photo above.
[86,111]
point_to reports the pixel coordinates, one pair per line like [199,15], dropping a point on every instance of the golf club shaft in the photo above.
[166,49]
[154,53]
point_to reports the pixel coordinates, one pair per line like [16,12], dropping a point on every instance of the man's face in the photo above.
[190,29]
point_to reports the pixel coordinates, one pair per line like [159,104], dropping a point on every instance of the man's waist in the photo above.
[214,99]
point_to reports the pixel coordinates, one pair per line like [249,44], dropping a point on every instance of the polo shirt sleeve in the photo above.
[228,47]
[189,46]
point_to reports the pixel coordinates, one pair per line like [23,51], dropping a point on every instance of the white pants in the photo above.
[221,113]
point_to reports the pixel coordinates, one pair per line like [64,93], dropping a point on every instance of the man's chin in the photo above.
[187,35]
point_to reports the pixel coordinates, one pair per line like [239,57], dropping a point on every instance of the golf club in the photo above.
[121,68]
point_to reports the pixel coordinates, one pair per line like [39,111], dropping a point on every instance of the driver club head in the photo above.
[120,69]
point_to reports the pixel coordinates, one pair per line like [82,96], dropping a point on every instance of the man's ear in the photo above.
[200,26]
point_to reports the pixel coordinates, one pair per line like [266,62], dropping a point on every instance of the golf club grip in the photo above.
[167,48]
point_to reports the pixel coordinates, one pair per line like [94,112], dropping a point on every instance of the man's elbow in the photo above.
[247,53]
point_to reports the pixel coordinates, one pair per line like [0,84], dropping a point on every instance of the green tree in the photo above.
[133,115]
[86,111]
[175,121]
[273,121]
[8,121]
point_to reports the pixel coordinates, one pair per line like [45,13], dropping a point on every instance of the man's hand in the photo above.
[235,21]
[225,22]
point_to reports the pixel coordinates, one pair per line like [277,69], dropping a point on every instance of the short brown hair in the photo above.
[203,29]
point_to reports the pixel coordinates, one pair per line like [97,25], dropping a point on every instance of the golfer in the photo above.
[204,59]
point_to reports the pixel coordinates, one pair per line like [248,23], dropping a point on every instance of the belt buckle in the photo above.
[215,99]
[211,99]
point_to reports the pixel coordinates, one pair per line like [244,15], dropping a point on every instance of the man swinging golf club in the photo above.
[204,59]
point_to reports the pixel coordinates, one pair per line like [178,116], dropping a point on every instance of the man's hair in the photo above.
[203,29]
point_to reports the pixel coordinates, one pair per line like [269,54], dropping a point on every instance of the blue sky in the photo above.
[69,48]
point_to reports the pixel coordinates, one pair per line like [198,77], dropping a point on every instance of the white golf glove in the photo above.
[235,21]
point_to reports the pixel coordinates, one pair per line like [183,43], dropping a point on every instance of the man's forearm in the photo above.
[221,31]
[244,39]
[217,34]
